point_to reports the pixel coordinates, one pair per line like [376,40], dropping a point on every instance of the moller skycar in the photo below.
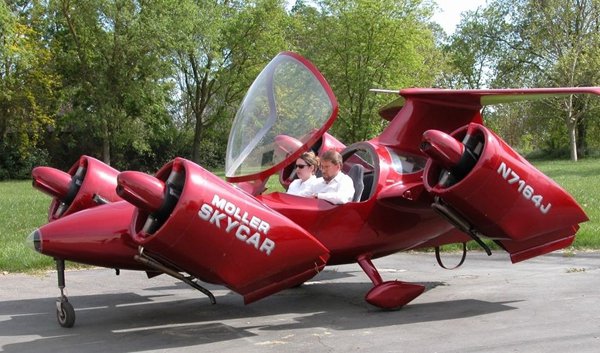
[436,175]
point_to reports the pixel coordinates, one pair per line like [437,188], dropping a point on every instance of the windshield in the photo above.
[287,108]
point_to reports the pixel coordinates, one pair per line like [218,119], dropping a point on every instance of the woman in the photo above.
[306,166]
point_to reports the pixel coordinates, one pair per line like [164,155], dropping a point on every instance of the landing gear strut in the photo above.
[65,314]
[388,294]
[155,264]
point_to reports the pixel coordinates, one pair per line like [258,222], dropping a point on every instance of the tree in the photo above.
[563,41]
[27,85]
[361,44]
[473,50]
[231,42]
[112,54]
[542,43]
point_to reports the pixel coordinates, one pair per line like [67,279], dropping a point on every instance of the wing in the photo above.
[475,98]
[421,109]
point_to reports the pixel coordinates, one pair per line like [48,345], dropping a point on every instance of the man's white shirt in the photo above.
[339,189]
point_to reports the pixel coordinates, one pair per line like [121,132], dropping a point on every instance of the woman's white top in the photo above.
[302,188]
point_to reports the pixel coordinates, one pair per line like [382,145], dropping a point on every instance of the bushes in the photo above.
[62,150]
[14,165]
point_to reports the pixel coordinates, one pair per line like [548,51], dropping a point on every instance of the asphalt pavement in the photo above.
[547,304]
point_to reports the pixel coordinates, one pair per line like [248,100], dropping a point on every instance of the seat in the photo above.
[356,173]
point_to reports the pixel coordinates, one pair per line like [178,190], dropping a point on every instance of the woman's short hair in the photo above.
[310,158]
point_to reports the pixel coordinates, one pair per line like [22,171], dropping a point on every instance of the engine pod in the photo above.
[503,196]
[79,188]
[221,234]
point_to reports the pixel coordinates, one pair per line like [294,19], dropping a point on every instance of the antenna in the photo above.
[380,90]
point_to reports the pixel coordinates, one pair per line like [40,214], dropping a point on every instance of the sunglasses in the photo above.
[301,166]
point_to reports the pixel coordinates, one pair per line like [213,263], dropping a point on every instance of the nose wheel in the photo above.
[65,314]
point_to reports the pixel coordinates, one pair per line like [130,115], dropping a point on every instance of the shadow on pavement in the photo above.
[161,321]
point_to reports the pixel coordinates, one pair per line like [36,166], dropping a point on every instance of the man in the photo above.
[334,186]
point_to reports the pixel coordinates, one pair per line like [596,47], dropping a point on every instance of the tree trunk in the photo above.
[4,116]
[572,128]
[197,138]
[200,101]
[572,139]
[581,138]
[106,144]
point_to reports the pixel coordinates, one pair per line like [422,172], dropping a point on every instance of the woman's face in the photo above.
[303,169]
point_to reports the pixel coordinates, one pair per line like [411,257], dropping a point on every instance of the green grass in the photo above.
[582,180]
[23,209]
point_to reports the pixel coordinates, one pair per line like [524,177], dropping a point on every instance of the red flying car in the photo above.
[436,175]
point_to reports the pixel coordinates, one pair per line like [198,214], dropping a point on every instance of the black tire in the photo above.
[65,315]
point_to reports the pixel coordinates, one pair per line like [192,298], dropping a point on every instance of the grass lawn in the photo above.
[23,209]
[582,180]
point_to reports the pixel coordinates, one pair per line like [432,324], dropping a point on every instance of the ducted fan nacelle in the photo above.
[88,183]
[485,186]
[190,220]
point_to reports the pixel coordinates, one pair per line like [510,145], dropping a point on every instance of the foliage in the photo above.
[361,44]
[229,45]
[111,55]
[137,83]
[15,166]
[472,52]
[27,85]
[535,43]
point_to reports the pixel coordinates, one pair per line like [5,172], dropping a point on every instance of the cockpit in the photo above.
[287,111]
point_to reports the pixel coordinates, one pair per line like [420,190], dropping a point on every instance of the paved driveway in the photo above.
[547,304]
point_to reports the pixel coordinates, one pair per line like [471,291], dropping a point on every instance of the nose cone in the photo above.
[51,181]
[99,237]
[442,148]
[141,190]
[34,240]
